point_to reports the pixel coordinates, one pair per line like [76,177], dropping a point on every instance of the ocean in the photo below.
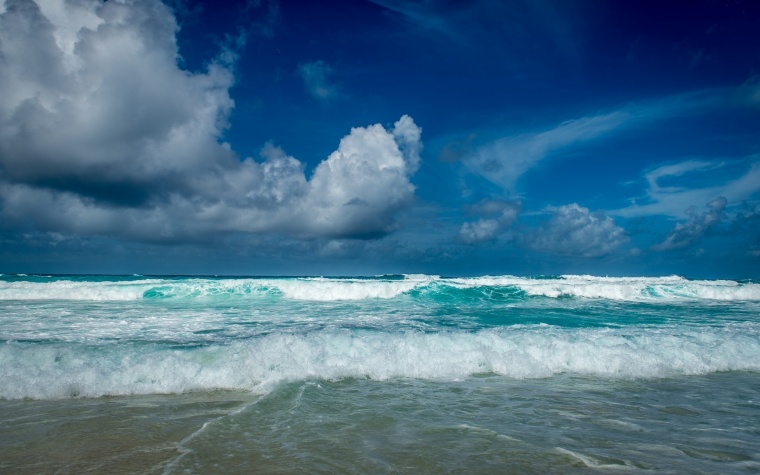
[388,374]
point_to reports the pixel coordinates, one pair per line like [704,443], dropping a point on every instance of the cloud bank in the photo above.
[102,133]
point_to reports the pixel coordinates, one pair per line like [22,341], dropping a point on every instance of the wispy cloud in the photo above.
[316,80]
[505,160]
[425,14]
[675,200]
[262,24]
[749,92]
[481,23]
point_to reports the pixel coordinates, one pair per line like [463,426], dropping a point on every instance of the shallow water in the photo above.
[125,434]
[489,423]
[396,374]
[564,424]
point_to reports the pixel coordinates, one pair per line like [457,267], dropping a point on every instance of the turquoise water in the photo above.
[388,374]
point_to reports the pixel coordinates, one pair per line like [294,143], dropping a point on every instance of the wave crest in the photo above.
[634,289]
[30,371]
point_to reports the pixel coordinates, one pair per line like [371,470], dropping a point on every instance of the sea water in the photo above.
[388,374]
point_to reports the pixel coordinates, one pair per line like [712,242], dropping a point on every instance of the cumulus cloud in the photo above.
[101,133]
[316,80]
[574,231]
[95,104]
[503,214]
[479,231]
[698,224]
[359,187]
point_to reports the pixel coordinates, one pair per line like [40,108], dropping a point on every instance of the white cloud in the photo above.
[479,231]
[409,139]
[316,80]
[358,188]
[101,133]
[111,110]
[574,231]
[698,224]
[487,229]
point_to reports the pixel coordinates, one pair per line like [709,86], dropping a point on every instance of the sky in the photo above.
[365,137]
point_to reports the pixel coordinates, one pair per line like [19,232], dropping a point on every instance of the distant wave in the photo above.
[31,370]
[635,289]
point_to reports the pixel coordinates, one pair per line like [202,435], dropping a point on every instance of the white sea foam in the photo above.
[315,289]
[347,289]
[76,290]
[126,290]
[672,288]
[635,289]
[55,371]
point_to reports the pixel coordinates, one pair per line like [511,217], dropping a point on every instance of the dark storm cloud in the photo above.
[101,133]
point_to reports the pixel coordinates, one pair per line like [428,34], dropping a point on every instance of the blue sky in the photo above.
[366,137]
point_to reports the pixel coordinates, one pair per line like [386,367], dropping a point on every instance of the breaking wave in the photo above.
[636,289]
[55,371]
